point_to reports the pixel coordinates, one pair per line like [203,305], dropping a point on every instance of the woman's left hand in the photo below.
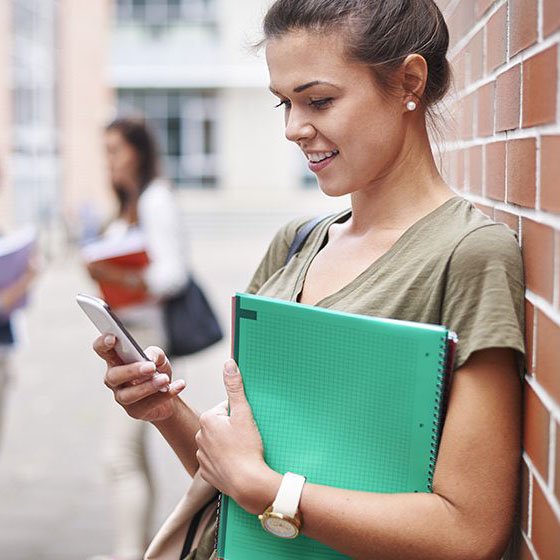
[230,449]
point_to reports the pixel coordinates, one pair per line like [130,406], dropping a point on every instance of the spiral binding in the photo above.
[445,358]
[218,512]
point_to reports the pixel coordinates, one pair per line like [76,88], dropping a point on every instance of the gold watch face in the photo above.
[279,526]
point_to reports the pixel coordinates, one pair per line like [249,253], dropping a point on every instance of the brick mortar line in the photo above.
[535,328]
[558,79]
[508,32]
[550,404]
[521,95]
[539,216]
[540,21]
[506,175]
[479,24]
[542,305]
[530,546]
[553,503]
[538,174]
[552,454]
[529,501]
[450,8]
[552,129]
[519,58]
[555,269]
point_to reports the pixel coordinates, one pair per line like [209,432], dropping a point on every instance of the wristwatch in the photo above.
[282,518]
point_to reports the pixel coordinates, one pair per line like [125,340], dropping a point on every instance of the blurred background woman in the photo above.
[146,206]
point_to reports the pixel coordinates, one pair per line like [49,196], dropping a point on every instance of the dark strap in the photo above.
[301,236]
[6,333]
[193,528]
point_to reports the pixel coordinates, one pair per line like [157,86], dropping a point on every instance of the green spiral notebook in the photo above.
[346,400]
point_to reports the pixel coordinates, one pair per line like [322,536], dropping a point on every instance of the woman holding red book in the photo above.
[146,209]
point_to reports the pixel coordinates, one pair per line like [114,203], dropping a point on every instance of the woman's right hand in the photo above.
[135,387]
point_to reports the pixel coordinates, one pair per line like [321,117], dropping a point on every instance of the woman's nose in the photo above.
[298,128]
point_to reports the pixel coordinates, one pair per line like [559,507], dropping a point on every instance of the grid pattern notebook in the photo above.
[346,400]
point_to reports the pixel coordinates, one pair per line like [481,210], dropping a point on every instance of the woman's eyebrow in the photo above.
[303,87]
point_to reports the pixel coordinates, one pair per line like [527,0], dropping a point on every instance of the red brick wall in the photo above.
[504,155]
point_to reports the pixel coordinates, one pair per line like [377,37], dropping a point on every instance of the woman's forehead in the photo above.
[301,57]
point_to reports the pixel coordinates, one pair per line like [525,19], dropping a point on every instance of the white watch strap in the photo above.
[289,495]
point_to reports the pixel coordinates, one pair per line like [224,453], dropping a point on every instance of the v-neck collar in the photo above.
[378,263]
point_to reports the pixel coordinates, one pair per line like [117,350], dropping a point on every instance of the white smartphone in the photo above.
[107,322]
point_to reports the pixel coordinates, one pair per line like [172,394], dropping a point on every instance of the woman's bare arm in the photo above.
[468,516]
[137,390]
[470,513]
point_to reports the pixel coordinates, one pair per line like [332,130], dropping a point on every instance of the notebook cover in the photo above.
[117,295]
[127,252]
[347,400]
[16,250]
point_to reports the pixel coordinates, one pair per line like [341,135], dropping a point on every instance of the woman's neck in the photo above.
[411,189]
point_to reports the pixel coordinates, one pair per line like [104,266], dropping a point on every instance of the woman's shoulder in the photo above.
[472,234]
[157,198]
[277,252]
[478,238]
[287,233]
[158,188]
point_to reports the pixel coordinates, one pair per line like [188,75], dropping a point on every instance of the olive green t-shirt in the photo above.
[454,267]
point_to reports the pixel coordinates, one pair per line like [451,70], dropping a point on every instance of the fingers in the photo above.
[128,395]
[233,382]
[104,347]
[146,403]
[157,355]
[135,373]
[220,409]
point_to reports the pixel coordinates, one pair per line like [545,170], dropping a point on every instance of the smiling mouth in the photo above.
[318,157]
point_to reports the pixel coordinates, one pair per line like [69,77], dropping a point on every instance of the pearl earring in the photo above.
[411,105]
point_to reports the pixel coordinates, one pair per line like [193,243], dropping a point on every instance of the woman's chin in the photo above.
[331,190]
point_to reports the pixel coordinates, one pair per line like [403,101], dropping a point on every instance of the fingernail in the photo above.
[230,367]
[109,340]
[178,385]
[160,380]
[148,367]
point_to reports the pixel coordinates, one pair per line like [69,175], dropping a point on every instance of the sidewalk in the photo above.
[54,504]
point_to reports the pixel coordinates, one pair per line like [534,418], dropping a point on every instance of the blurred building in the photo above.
[190,67]
[54,100]
[28,115]
[187,65]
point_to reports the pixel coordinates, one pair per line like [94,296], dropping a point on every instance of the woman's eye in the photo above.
[321,103]
[286,102]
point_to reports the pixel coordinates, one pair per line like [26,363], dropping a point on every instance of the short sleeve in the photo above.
[276,254]
[484,292]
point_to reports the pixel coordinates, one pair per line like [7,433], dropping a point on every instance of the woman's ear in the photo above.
[414,75]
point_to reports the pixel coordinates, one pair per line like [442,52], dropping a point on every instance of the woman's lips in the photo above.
[320,165]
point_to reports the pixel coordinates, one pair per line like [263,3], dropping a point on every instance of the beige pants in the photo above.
[132,492]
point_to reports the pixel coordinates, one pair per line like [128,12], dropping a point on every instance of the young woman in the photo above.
[357,80]
[145,202]
[9,297]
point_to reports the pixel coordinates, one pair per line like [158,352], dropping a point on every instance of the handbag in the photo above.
[189,321]
[183,529]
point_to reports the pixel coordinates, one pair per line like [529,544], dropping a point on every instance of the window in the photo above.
[185,127]
[164,13]
[34,133]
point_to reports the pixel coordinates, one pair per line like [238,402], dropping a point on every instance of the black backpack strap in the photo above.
[301,236]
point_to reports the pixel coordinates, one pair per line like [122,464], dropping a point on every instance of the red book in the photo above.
[127,252]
